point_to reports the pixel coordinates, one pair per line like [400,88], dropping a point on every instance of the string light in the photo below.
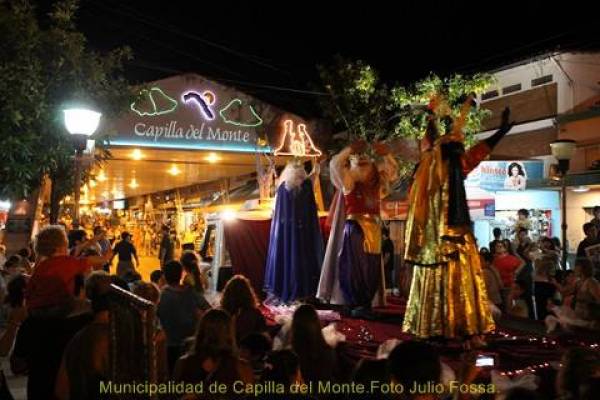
[239,102]
[155,111]
[101,177]
[543,340]
[204,101]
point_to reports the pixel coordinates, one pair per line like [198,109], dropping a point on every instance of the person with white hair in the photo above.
[295,243]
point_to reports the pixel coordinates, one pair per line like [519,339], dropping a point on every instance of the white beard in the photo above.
[293,176]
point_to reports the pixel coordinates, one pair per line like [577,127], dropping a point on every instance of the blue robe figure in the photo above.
[296,244]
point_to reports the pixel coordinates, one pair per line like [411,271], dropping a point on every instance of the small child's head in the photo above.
[523,214]
[13,265]
[497,233]
[51,241]
[569,277]
[157,278]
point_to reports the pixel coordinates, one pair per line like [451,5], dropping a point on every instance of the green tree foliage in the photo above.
[46,65]
[366,108]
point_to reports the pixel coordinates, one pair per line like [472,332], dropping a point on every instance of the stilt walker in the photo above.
[448,296]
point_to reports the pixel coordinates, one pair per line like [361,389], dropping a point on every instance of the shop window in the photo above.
[511,89]
[489,95]
[541,80]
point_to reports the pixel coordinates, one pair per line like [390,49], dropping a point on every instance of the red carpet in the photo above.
[516,348]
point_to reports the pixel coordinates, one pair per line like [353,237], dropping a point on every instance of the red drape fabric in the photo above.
[247,242]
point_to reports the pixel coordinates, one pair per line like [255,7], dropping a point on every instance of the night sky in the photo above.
[250,44]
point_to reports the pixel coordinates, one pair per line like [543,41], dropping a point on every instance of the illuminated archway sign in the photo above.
[155,103]
[297,143]
[204,101]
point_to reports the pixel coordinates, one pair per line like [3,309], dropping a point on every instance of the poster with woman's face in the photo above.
[516,176]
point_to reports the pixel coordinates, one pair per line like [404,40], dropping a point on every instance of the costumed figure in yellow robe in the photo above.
[448,297]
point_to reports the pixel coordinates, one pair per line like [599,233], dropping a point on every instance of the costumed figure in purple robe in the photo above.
[295,250]
[352,272]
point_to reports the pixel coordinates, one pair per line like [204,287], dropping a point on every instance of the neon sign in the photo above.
[157,106]
[237,102]
[296,143]
[204,101]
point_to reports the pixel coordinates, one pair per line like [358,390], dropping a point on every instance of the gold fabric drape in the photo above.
[448,295]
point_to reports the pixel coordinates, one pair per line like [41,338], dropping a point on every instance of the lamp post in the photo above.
[563,150]
[81,124]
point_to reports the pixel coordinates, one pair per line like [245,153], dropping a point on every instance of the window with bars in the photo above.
[541,80]
[489,95]
[511,88]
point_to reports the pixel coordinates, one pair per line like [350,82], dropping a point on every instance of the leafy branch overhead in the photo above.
[46,67]
[364,107]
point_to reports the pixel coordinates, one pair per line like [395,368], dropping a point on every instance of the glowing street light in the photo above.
[81,123]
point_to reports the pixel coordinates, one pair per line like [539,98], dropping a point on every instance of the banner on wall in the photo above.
[505,175]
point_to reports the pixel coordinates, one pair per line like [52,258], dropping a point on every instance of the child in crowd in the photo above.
[50,291]
[517,306]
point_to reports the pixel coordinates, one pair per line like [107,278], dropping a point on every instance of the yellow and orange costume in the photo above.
[448,297]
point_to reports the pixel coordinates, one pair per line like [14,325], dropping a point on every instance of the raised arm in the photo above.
[340,172]
[481,150]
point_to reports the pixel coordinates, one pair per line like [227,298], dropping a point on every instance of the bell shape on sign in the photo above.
[237,113]
[153,102]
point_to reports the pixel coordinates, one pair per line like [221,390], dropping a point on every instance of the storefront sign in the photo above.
[190,112]
[505,175]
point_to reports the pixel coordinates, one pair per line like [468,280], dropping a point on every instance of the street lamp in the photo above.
[81,124]
[563,150]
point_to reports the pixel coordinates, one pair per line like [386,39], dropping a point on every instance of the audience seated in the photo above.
[516,303]
[254,348]
[240,301]
[318,361]
[214,355]
[544,287]
[578,367]
[414,362]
